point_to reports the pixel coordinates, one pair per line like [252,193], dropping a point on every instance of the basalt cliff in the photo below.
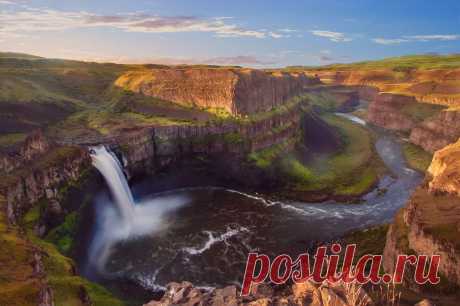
[238,91]
[420,101]
[430,222]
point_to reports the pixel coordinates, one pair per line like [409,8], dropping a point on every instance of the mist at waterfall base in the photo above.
[126,220]
[204,234]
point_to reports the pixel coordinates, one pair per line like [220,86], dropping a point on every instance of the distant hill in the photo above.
[429,61]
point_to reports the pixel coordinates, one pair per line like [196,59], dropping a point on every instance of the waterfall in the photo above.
[110,168]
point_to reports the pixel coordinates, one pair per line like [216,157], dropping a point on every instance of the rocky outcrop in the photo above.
[445,170]
[302,294]
[149,149]
[34,145]
[385,111]
[403,113]
[42,169]
[437,86]
[437,132]
[430,222]
[238,91]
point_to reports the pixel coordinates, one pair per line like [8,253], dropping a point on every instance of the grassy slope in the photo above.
[351,171]
[398,63]
[416,157]
[73,98]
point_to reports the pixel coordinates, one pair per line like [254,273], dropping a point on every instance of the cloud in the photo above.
[287,30]
[246,60]
[332,36]
[434,37]
[416,38]
[33,20]
[391,41]
[237,60]
[276,35]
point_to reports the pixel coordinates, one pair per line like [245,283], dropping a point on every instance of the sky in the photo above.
[256,33]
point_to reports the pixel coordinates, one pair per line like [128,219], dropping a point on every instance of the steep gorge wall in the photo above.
[239,91]
[430,222]
[149,149]
[37,170]
[437,86]
[404,101]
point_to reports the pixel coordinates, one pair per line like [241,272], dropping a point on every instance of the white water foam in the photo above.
[212,239]
[127,219]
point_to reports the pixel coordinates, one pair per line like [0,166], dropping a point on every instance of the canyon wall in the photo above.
[36,170]
[407,100]
[38,167]
[430,222]
[239,91]
[437,86]
[150,149]
[427,126]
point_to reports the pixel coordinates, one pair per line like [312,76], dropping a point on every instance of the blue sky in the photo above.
[256,33]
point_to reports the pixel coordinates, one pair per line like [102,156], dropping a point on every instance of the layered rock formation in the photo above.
[428,127]
[437,132]
[430,223]
[302,294]
[238,91]
[445,170]
[385,111]
[34,145]
[439,86]
[402,104]
[37,170]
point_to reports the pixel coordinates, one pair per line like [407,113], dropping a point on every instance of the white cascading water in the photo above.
[110,168]
[124,219]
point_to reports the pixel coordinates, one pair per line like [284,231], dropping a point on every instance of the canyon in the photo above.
[242,121]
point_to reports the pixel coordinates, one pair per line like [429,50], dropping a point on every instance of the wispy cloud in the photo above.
[246,60]
[389,41]
[332,36]
[416,38]
[287,30]
[33,19]
[434,37]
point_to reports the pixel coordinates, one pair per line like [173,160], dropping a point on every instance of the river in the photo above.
[203,234]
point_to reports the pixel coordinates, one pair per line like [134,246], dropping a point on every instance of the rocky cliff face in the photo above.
[37,171]
[437,132]
[445,170]
[148,149]
[438,86]
[430,222]
[427,126]
[33,146]
[403,104]
[238,91]
[385,111]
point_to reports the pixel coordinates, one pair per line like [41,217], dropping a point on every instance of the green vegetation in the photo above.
[7,140]
[398,64]
[265,158]
[420,111]
[368,241]
[63,235]
[67,287]
[351,171]
[278,110]
[416,157]
[323,101]
[233,138]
